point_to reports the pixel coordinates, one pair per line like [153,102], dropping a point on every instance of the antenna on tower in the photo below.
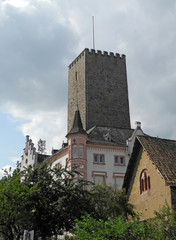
[93,32]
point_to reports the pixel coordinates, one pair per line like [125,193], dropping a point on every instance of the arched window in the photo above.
[144,181]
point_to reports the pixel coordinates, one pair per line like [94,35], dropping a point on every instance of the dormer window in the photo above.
[108,137]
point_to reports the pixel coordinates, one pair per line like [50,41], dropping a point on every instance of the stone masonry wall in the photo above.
[100,90]
[76,90]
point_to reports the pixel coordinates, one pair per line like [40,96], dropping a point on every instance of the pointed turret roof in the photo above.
[77,126]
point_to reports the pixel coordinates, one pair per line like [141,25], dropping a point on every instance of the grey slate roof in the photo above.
[77,124]
[109,135]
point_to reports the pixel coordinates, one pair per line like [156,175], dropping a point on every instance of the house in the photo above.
[99,134]
[150,179]
[30,155]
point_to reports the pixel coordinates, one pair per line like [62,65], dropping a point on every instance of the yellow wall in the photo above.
[154,198]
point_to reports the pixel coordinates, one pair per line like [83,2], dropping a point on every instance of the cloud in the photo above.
[34,49]
[49,126]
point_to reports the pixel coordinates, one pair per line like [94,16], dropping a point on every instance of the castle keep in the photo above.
[98,85]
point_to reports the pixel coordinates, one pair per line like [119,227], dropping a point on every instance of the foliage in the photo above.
[48,201]
[115,228]
[109,202]
[165,223]
[58,202]
[15,202]
[41,199]
[162,227]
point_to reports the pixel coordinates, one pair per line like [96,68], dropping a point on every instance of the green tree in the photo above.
[58,201]
[41,199]
[15,202]
[109,202]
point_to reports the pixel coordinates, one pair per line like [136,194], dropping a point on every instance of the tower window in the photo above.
[144,181]
[75,151]
[76,76]
[81,151]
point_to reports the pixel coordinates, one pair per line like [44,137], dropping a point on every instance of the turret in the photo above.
[77,138]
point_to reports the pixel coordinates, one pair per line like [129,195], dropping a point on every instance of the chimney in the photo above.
[138,125]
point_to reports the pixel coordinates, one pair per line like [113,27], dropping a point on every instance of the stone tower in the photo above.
[98,85]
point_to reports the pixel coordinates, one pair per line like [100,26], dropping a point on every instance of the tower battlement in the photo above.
[98,53]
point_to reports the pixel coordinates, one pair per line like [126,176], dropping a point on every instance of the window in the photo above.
[119,160]
[75,151]
[116,160]
[122,161]
[118,179]
[57,165]
[26,161]
[95,158]
[81,151]
[76,76]
[99,158]
[144,181]
[99,177]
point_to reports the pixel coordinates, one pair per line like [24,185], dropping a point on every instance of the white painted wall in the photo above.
[61,160]
[109,167]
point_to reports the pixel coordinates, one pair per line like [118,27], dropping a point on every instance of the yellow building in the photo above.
[150,179]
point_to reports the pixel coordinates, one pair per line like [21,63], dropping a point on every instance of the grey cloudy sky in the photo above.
[38,40]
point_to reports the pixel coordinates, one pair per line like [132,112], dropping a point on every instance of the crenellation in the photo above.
[77,59]
[105,53]
[96,53]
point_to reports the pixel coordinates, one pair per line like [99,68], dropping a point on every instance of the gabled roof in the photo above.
[162,152]
[109,135]
[77,124]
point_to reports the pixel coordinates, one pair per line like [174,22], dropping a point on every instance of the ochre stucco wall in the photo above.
[154,198]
